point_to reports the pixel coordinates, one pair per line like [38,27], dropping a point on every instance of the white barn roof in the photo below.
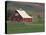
[23,14]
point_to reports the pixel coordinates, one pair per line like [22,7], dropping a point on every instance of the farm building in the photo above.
[21,16]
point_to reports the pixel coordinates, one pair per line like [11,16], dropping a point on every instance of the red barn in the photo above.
[21,16]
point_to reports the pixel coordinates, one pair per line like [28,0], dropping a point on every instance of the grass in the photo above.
[18,27]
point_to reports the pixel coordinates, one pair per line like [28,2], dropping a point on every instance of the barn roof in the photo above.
[23,14]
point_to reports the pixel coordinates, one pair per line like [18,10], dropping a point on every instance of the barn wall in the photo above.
[23,19]
[27,20]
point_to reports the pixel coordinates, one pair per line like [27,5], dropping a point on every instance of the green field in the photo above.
[19,27]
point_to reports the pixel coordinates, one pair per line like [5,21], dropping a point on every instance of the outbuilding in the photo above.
[21,16]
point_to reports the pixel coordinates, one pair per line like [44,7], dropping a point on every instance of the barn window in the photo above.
[16,14]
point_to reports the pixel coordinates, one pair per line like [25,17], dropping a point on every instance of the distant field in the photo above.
[18,27]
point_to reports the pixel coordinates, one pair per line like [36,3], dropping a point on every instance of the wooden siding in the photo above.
[22,19]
